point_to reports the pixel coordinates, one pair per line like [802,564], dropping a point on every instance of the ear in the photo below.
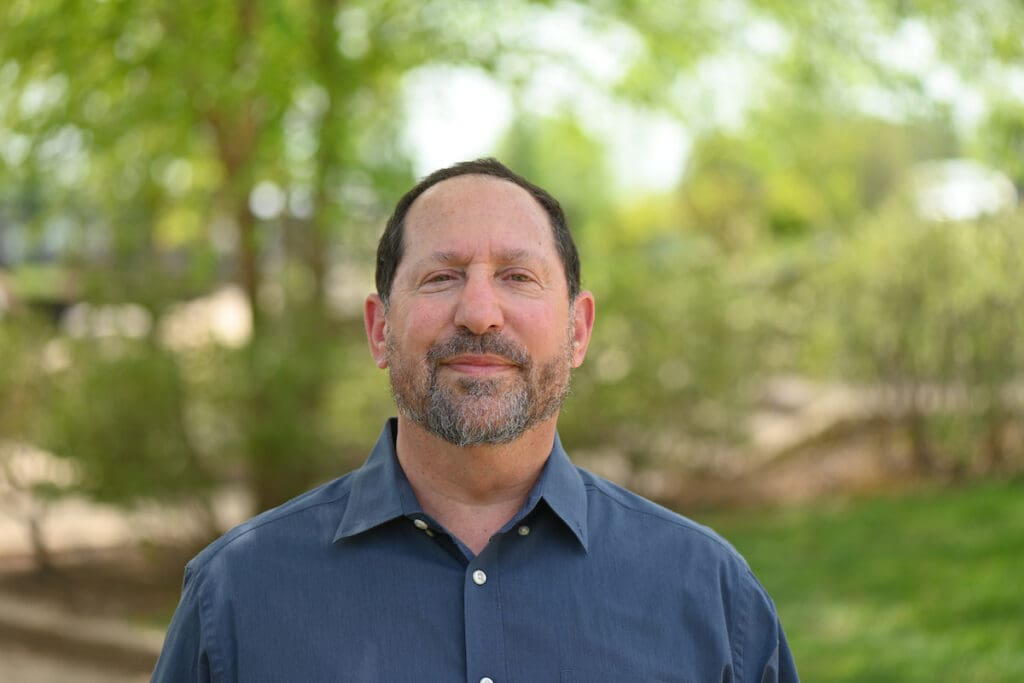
[376,329]
[582,326]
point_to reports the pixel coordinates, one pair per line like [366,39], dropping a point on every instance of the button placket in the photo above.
[484,633]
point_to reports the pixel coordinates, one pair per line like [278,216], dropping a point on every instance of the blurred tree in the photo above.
[24,384]
[161,149]
[238,134]
[1001,141]
[674,358]
[121,408]
[992,357]
[924,310]
[795,173]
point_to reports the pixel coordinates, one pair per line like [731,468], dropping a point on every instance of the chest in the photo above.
[527,609]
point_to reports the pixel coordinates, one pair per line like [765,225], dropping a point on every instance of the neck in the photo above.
[472,491]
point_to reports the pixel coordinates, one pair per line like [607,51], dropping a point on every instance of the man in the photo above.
[468,547]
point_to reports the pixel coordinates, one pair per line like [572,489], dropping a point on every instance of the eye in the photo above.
[520,276]
[438,279]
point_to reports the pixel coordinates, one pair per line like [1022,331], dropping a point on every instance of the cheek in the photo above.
[422,327]
[542,329]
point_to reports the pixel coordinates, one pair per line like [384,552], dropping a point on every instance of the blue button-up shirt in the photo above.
[588,582]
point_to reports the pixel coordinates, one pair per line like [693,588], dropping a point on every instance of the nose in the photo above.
[479,308]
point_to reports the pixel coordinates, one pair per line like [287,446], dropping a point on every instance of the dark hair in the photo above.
[390,248]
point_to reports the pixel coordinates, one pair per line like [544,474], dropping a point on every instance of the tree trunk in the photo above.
[921,457]
[42,560]
[995,442]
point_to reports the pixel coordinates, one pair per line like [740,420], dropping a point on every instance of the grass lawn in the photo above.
[927,586]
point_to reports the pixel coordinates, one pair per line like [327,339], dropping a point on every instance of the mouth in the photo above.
[480,365]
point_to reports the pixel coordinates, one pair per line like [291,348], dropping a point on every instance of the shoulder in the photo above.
[645,526]
[677,553]
[309,519]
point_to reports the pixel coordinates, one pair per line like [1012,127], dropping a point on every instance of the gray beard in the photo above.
[473,411]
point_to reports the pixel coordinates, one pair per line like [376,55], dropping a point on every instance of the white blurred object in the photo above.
[961,189]
[223,317]
[23,466]
[107,320]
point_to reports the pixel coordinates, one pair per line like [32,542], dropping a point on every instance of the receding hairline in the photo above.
[536,207]
[488,179]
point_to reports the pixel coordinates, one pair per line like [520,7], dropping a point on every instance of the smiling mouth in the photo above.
[484,365]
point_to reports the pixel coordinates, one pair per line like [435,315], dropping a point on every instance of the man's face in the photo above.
[480,337]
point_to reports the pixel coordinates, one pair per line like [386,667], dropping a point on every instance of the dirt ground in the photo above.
[133,586]
[24,664]
[140,583]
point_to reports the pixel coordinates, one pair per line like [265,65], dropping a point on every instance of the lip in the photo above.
[472,364]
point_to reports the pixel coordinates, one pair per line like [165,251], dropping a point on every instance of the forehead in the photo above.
[467,210]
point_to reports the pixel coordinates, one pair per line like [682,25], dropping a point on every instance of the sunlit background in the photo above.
[802,223]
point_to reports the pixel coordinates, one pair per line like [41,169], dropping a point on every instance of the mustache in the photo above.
[491,343]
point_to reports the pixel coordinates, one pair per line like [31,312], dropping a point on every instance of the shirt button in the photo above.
[524,530]
[420,524]
[479,578]
[486,679]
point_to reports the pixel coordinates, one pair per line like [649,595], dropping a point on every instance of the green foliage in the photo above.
[119,411]
[139,130]
[916,588]
[300,403]
[24,379]
[927,301]
[930,310]
[1002,140]
[132,135]
[774,182]
[674,351]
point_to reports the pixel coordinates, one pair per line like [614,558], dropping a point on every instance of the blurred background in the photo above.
[802,223]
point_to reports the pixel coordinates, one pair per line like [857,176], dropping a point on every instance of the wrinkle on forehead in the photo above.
[503,256]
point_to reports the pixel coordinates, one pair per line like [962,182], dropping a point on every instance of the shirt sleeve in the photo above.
[184,658]
[773,663]
[769,659]
[786,665]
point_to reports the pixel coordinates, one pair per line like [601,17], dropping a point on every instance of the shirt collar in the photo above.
[561,487]
[381,493]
